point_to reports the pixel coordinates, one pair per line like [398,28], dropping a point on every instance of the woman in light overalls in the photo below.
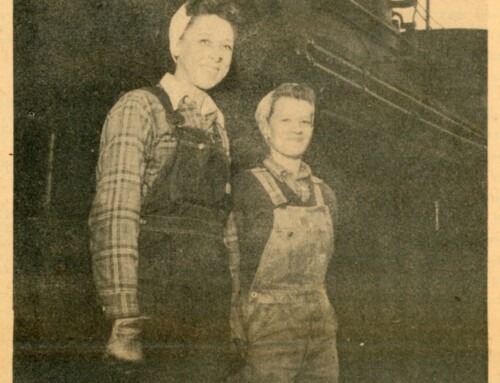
[281,240]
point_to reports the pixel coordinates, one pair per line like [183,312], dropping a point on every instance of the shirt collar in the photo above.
[176,92]
[282,174]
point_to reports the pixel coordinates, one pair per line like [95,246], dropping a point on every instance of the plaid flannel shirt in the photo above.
[136,143]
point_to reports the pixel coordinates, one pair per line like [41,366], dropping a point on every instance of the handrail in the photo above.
[366,73]
[388,26]
[373,16]
[390,103]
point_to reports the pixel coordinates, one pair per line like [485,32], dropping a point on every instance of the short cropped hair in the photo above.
[225,9]
[292,90]
[265,108]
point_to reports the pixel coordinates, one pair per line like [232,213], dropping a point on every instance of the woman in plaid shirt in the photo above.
[161,204]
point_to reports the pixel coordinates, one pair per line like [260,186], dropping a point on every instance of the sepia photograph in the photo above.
[253,191]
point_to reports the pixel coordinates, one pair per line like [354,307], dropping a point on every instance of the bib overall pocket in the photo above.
[200,170]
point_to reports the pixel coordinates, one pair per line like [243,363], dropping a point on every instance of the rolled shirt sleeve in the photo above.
[235,314]
[233,250]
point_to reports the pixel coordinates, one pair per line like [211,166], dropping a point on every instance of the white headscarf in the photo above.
[178,26]
[263,112]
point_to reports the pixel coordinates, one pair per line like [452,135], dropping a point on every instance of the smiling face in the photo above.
[205,51]
[290,127]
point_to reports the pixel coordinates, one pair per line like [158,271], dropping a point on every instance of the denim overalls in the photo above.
[184,281]
[289,322]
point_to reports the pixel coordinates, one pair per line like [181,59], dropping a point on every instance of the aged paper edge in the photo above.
[6,198]
[494,191]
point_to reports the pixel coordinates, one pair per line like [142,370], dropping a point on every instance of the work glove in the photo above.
[125,341]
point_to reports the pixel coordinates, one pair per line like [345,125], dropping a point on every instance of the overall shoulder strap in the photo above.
[164,99]
[270,186]
[162,96]
[318,194]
